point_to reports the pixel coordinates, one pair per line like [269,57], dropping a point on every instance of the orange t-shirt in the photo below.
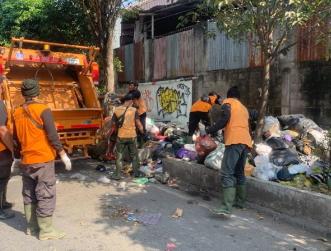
[201,106]
[35,147]
[141,106]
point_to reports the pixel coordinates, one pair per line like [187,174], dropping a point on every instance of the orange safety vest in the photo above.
[201,106]
[128,130]
[237,128]
[141,106]
[35,147]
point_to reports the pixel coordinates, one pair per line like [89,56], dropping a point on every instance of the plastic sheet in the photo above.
[214,159]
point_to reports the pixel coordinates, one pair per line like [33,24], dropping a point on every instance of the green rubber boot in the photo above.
[228,199]
[240,197]
[47,231]
[31,219]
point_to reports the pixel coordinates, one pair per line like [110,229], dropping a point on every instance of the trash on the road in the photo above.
[322,239]
[78,176]
[178,213]
[104,180]
[170,246]
[131,217]
[120,211]
[141,181]
[101,168]
[122,185]
[149,218]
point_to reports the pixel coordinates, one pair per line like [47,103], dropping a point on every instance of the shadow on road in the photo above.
[197,229]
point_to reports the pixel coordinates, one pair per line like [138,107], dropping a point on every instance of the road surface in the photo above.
[89,212]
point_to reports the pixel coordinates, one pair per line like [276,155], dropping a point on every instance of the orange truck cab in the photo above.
[67,85]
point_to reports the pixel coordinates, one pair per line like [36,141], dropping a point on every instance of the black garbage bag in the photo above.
[284,157]
[298,122]
[276,143]
[290,121]
[284,175]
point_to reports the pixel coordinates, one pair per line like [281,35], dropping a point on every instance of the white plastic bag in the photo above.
[190,147]
[214,159]
[265,170]
[263,149]
[271,125]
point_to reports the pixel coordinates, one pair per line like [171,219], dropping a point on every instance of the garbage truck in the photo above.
[67,75]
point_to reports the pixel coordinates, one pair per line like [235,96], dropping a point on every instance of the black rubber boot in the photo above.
[3,214]
[5,203]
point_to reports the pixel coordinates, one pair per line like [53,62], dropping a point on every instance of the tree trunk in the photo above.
[263,101]
[109,71]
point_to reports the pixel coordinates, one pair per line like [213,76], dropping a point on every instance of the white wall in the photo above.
[168,100]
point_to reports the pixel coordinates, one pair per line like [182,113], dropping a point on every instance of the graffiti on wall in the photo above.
[173,100]
[168,100]
[147,96]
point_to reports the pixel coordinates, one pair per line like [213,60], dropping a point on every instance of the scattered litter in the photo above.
[322,239]
[120,212]
[149,219]
[101,168]
[178,213]
[104,180]
[170,246]
[131,217]
[78,176]
[122,185]
[141,181]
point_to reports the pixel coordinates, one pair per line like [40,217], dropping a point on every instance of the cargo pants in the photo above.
[6,161]
[129,146]
[39,183]
[233,165]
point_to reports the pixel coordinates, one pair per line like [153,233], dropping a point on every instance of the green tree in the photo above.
[55,20]
[102,15]
[270,22]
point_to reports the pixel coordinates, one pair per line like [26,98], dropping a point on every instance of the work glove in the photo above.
[15,165]
[65,159]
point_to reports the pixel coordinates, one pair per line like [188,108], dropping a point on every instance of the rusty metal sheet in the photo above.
[186,53]
[256,58]
[224,52]
[120,53]
[160,59]
[139,61]
[310,46]
[129,60]
[172,56]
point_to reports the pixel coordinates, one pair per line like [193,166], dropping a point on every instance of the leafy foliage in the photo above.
[55,20]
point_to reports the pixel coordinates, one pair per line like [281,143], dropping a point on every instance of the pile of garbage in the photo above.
[295,151]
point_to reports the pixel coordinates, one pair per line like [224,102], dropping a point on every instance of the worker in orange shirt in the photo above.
[36,142]
[199,112]
[234,120]
[213,97]
[6,158]
[139,103]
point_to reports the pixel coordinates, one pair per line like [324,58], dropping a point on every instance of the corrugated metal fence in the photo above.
[225,53]
[180,55]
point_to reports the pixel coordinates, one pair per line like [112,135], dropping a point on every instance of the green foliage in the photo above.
[118,65]
[130,14]
[270,21]
[51,20]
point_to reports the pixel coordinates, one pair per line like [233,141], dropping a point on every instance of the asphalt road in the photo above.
[90,213]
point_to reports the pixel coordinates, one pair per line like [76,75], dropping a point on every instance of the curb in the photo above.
[307,210]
